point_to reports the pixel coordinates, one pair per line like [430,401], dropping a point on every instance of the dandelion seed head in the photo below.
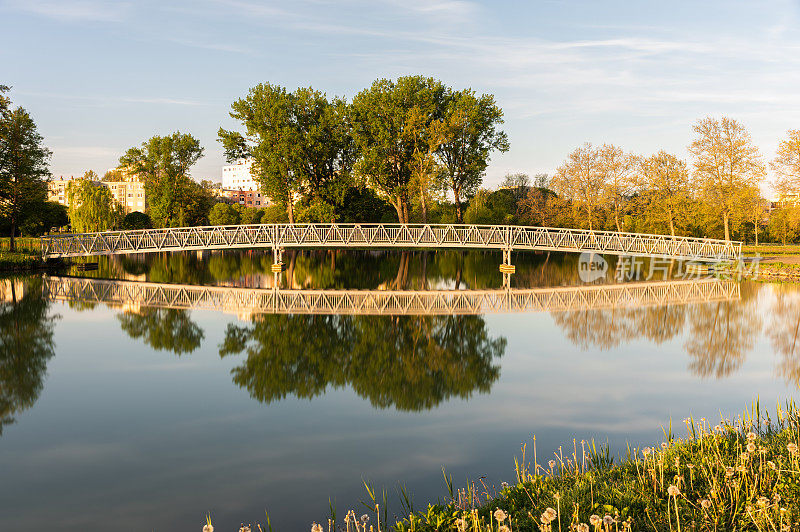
[364,518]
[763,501]
[751,436]
[705,504]
[208,528]
[551,463]
[673,491]
[608,520]
[500,515]
[583,527]
[751,447]
[595,520]
[316,527]
[792,448]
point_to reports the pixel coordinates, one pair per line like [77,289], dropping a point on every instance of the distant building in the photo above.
[237,177]
[248,198]
[130,193]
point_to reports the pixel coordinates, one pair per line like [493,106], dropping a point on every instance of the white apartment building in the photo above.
[237,177]
[129,194]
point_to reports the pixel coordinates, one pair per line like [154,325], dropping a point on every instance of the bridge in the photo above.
[248,301]
[280,236]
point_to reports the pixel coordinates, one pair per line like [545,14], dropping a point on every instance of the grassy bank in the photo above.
[740,475]
[771,250]
[27,255]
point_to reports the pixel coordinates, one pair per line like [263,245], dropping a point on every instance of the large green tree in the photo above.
[164,163]
[470,135]
[23,165]
[300,145]
[390,122]
[163,329]
[91,206]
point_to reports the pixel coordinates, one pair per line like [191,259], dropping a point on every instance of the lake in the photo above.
[127,409]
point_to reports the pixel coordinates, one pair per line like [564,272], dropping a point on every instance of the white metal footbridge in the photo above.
[134,295]
[280,236]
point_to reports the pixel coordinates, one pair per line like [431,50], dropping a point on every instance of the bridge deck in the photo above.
[280,236]
[133,295]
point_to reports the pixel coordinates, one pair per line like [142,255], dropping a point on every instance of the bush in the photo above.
[224,214]
[136,220]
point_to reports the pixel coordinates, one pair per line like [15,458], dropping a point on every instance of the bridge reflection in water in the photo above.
[247,301]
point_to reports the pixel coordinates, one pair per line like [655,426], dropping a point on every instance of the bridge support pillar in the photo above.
[507,269]
[277,265]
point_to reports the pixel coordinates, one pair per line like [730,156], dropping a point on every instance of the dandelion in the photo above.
[364,518]
[646,451]
[551,463]
[500,515]
[316,527]
[548,516]
[771,465]
[717,428]
[583,527]
[664,446]
[741,469]
[208,528]
[705,504]
[792,448]
[503,528]
[777,498]
[608,520]
[504,485]
[244,528]
[751,436]
[595,520]
[751,447]
[673,491]
[461,524]
[763,501]
[729,472]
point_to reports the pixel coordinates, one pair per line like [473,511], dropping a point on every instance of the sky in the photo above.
[99,77]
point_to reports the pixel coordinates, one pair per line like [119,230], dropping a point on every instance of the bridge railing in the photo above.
[132,295]
[387,236]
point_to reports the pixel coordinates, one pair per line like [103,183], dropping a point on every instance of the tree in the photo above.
[725,162]
[300,144]
[665,181]
[163,163]
[381,116]
[617,171]
[579,180]
[23,165]
[426,172]
[136,220]
[471,134]
[44,218]
[224,214]
[91,205]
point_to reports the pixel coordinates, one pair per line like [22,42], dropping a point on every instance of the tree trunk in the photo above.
[725,217]
[459,214]
[616,221]
[424,205]
[290,211]
[13,244]
[671,226]
[406,217]
[398,206]
[755,228]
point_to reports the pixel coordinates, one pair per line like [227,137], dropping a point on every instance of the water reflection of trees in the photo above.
[408,362]
[163,329]
[719,334]
[26,345]
[784,332]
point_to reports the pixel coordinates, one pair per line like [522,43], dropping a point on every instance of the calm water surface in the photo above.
[128,417]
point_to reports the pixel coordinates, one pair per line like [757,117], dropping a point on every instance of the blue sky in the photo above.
[102,76]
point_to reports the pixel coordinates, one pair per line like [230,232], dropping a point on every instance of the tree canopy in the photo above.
[164,163]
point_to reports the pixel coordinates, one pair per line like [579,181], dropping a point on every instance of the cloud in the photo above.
[73,10]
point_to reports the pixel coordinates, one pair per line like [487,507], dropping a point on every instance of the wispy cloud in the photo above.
[73,10]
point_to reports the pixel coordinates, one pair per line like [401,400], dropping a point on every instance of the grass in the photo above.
[26,257]
[771,250]
[740,475]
